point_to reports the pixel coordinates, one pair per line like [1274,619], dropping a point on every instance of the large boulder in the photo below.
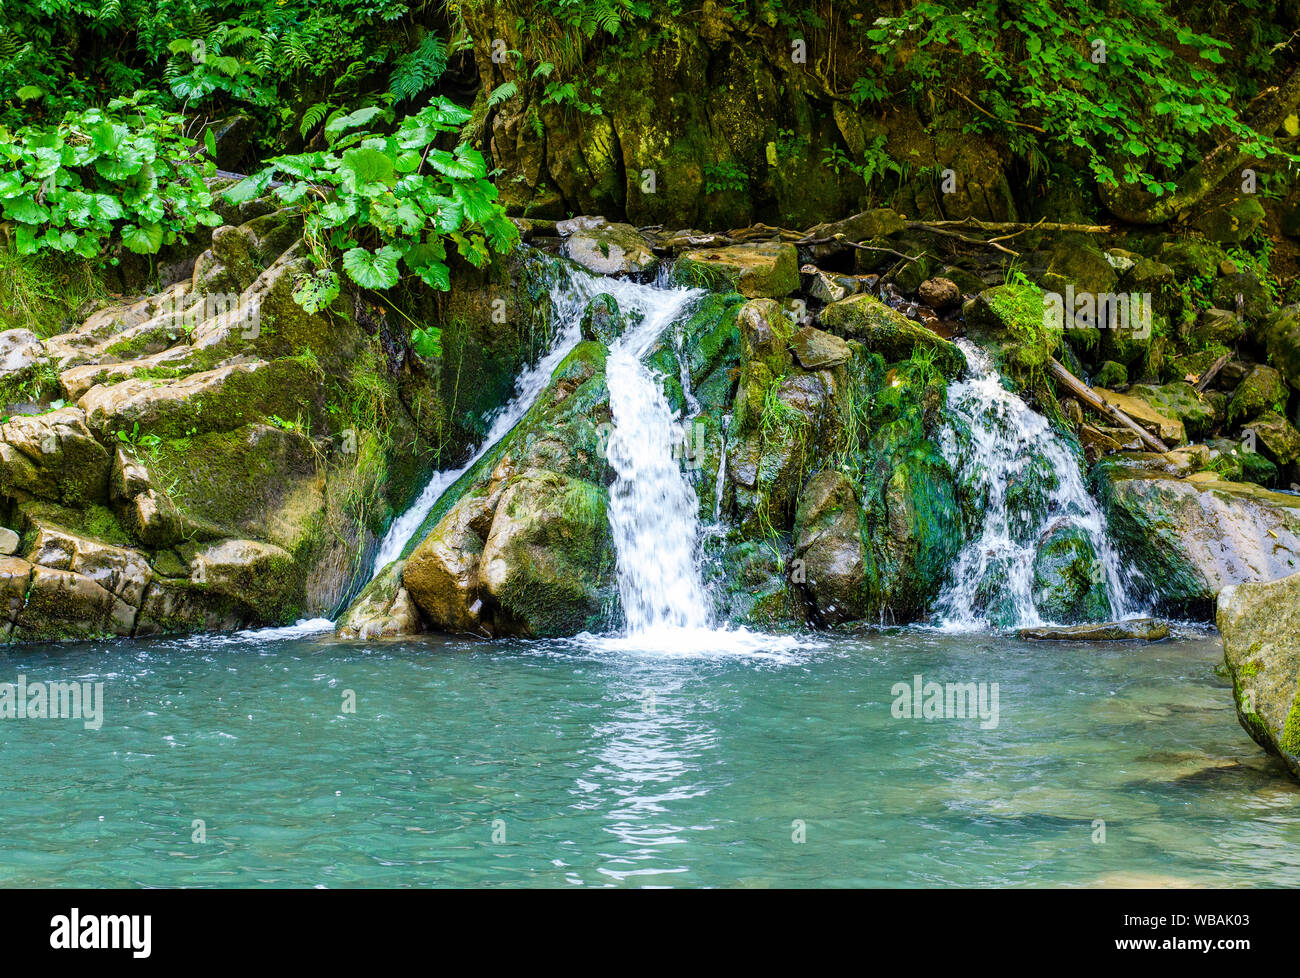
[608,249]
[1180,401]
[1262,389]
[1067,585]
[1167,428]
[1020,322]
[1276,438]
[1194,536]
[828,541]
[1281,335]
[441,574]
[888,332]
[54,456]
[753,270]
[1260,625]
[384,609]
[547,565]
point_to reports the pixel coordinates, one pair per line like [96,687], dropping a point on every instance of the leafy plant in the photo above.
[1128,85]
[388,202]
[128,171]
[724,176]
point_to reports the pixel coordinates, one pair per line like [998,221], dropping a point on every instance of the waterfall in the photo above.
[1028,484]
[570,291]
[653,510]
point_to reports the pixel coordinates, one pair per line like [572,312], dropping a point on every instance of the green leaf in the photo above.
[369,168]
[250,188]
[316,291]
[25,210]
[372,270]
[29,92]
[350,121]
[427,342]
[144,240]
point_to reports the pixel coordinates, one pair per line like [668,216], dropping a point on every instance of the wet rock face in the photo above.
[1066,586]
[1260,625]
[1194,536]
[548,561]
[828,540]
[226,454]
[384,609]
[608,249]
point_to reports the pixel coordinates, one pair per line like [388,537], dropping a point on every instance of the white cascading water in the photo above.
[1006,437]
[569,295]
[653,510]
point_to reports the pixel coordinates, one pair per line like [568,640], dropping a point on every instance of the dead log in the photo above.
[1213,372]
[1098,403]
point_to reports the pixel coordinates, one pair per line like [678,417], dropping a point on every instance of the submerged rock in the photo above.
[1260,625]
[1135,629]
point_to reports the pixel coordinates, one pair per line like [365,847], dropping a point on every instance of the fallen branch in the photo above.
[944,232]
[1098,403]
[1210,374]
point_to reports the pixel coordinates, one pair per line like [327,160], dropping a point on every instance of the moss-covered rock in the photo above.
[834,566]
[1019,322]
[441,574]
[610,249]
[753,270]
[1281,335]
[1067,586]
[1167,428]
[1181,401]
[1276,438]
[1260,623]
[1230,221]
[383,609]
[1111,374]
[53,456]
[888,332]
[547,566]
[601,321]
[1262,389]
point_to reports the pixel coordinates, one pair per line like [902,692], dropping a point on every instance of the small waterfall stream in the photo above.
[570,291]
[1030,486]
[652,507]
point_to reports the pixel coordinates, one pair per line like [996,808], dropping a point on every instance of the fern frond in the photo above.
[420,69]
[312,117]
[504,91]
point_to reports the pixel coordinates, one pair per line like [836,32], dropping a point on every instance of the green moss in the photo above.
[1290,739]
[44,293]
[93,520]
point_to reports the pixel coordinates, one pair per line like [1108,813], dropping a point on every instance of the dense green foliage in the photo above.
[127,169]
[388,201]
[1129,83]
